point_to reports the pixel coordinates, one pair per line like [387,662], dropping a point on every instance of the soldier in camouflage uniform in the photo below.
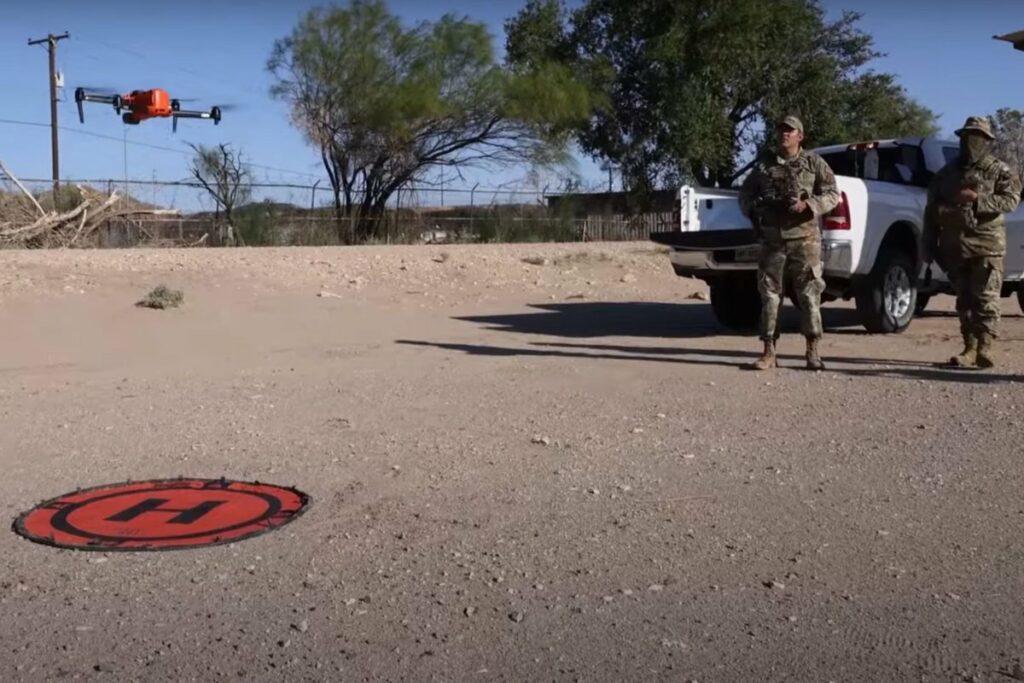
[965,233]
[783,196]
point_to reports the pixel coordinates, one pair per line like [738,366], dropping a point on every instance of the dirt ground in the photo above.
[553,470]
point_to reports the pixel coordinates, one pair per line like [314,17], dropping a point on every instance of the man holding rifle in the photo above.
[785,193]
[965,233]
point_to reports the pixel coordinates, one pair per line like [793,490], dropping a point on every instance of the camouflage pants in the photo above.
[798,260]
[978,282]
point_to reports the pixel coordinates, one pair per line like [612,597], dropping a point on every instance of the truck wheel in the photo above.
[736,302]
[887,299]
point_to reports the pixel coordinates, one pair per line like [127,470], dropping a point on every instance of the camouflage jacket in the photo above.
[966,230]
[775,182]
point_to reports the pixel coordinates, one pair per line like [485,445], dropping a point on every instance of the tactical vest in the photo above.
[782,184]
[965,232]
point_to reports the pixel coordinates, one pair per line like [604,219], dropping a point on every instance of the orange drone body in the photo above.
[139,105]
[146,104]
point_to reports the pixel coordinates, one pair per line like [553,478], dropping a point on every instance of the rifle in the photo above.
[783,189]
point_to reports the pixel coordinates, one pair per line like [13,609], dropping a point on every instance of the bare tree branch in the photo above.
[21,187]
[225,177]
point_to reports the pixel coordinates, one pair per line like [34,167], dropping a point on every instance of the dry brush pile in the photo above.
[25,222]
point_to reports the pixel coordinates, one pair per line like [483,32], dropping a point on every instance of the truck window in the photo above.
[841,163]
[900,164]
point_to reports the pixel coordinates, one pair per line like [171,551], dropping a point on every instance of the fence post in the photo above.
[398,212]
[546,220]
[472,207]
[312,210]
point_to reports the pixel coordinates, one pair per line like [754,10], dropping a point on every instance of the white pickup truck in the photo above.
[870,242]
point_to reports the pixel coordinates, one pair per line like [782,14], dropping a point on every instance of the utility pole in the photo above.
[51,47]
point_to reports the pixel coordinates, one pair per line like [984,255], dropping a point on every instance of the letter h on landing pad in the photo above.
[186,516]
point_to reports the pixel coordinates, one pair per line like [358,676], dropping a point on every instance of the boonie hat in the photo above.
[979,124]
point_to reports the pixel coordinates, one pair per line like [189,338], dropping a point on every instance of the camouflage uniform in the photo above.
[969,240]
[790,242]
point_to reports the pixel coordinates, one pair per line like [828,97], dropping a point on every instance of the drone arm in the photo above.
[182,114]
[81,95]
[214,114]
[104,99]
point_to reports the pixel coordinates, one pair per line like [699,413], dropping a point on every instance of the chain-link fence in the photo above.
[176,213]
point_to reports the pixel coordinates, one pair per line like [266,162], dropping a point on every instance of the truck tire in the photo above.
[887,298]
[736,302]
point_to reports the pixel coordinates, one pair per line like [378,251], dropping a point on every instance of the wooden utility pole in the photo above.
[51,46]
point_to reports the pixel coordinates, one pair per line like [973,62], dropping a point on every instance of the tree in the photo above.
[1008,126]
[694,85]
[224,175]
[387,105]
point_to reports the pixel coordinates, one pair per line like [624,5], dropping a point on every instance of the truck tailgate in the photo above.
[706,241]
[707,219]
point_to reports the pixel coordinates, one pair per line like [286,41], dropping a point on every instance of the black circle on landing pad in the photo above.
[161,514]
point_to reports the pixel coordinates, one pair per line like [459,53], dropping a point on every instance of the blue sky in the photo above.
[215,51]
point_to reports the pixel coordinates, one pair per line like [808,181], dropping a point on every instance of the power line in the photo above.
[147,145]
[96,135]
[422,187]
[204,77]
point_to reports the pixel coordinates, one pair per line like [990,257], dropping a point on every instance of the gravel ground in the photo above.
[530,462]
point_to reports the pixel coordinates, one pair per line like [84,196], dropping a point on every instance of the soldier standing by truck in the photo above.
[785,193]
[965,233]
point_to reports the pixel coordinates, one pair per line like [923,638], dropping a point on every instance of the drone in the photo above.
[139,105]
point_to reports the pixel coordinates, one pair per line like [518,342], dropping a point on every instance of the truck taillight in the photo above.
[839,217]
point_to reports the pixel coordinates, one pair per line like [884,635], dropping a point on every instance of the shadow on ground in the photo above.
[643,319]
[871,367]
[682,321]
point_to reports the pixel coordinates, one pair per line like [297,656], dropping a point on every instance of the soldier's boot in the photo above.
[767,359]
[967,358]
[813,357]
[984,357]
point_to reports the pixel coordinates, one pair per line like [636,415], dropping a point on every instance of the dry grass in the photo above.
[162,297]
